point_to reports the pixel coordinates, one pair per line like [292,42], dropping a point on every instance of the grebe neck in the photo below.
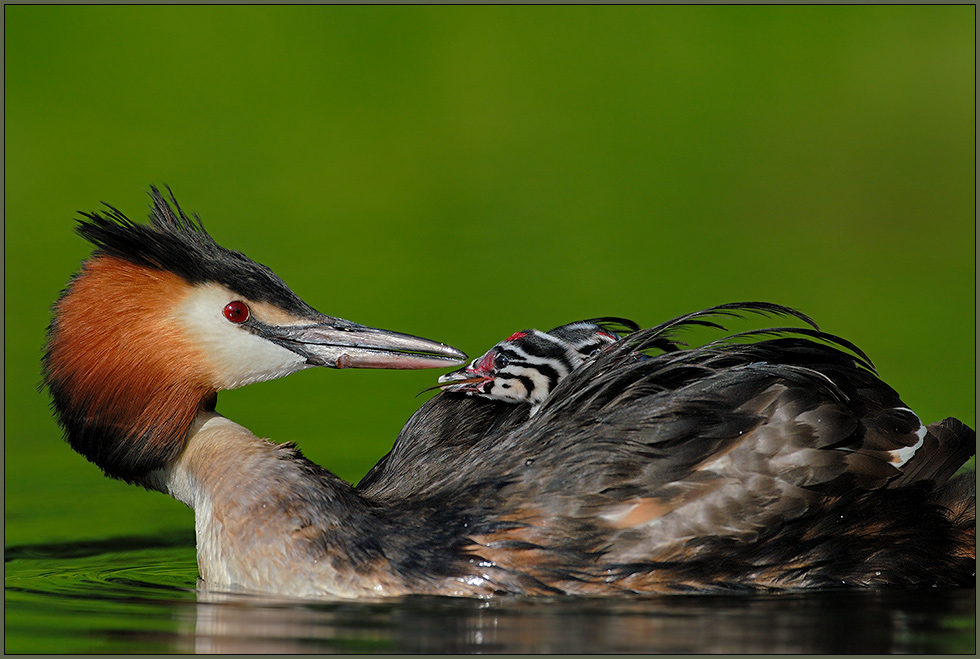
[266,518]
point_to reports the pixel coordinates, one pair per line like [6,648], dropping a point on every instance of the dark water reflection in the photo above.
[826,623]
[139,595]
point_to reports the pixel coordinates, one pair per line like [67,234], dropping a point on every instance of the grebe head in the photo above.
[160,318]
[526,366]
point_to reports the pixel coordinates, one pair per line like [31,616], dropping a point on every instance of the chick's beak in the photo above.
[464,380]
[339,343]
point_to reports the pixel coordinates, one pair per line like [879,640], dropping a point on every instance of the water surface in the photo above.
[140,594]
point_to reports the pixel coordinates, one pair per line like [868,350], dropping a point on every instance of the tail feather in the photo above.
[959,498]
[959,495]
[945,447]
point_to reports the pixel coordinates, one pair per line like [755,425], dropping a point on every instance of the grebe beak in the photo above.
[339,343]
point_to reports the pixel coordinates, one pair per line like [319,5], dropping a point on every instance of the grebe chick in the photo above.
[527,365]
[779,461]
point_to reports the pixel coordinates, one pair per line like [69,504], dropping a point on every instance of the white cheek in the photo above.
[237,356]
[540,381]
[509,390]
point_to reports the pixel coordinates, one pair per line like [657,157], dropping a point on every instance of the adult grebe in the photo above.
[779,463]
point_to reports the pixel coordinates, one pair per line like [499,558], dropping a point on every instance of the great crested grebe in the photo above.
[772,461]
[527,365]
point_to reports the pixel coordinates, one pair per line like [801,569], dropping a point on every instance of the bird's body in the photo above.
[758,463]
[768,465]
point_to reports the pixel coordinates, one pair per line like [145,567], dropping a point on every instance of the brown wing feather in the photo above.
[782,463]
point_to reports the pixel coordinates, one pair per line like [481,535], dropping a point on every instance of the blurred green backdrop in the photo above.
[461,173]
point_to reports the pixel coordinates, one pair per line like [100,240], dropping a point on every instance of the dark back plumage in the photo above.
[779,448]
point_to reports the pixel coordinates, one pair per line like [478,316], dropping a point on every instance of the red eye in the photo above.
[236,312]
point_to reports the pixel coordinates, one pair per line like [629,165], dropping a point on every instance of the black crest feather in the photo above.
[177,243]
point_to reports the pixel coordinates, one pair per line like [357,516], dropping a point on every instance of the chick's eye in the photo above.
[500,362]
[236,312]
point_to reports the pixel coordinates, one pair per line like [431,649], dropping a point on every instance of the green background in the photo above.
[461,173]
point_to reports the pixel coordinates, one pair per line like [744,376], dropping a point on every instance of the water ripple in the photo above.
[139,594]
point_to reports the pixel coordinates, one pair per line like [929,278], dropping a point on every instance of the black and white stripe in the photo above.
[528,365]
